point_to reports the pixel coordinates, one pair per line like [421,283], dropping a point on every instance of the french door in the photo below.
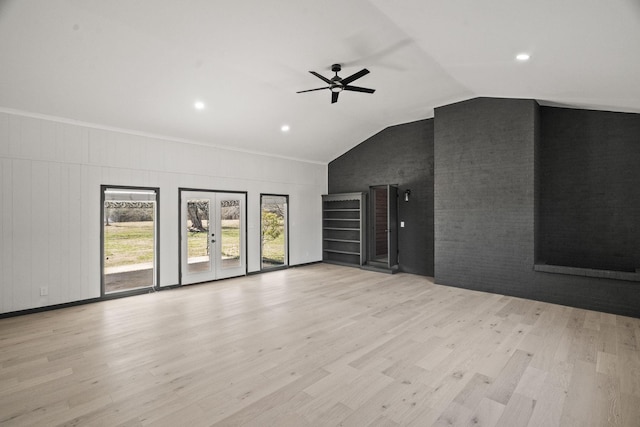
[212,235]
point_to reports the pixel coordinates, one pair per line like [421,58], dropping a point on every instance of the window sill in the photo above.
[588,272]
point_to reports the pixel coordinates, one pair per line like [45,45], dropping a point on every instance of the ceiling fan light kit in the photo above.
[337,84]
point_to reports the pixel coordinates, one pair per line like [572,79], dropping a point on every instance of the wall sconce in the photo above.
[406,195]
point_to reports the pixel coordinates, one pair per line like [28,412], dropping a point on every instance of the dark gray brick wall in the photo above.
[487,201]
[484,193]
[590,189]
[402,155]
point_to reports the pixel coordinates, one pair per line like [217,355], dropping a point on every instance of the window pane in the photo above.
[274,231]
[129,239]
[198,235]
[230,228]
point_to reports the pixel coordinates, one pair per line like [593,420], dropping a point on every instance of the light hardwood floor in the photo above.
[320,345]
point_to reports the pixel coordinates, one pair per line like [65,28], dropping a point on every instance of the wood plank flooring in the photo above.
[320,345]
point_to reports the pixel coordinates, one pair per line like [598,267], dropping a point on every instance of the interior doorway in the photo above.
[383,238]
[212,235]
[129,238]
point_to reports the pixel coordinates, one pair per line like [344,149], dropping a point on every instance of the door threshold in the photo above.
[380,268]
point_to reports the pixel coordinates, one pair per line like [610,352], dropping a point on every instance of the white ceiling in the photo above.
[140,65]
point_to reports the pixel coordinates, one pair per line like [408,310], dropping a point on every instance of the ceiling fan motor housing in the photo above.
[336,86]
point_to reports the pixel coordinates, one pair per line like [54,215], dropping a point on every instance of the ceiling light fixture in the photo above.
[285,128]
[523,57]
[199,105]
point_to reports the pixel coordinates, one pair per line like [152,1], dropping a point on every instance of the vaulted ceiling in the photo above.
[140,65]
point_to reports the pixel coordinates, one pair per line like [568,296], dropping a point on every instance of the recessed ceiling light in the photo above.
[523,57]
[199,105]
[285,128]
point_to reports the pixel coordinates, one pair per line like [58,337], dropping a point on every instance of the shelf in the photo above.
[336,262]
[341,229]
[589,272]
[335,251]
[328,239]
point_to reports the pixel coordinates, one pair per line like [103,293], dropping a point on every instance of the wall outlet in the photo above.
[44,291]
[402,224]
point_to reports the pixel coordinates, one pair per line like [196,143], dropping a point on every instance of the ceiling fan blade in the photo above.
[321,77]
[355,76]
[311,90]
[334,97]
[358,89]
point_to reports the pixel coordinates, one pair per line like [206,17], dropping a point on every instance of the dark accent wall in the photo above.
[484,193]
[590,189]
[487,201]
[401,155]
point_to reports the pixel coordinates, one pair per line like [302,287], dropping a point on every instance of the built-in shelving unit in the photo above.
[343,228]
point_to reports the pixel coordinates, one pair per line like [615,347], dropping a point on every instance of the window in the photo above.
[274,231]
[129,239]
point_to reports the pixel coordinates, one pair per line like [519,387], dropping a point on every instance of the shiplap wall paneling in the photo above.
[6,229]
[39,229]
[168,230]
[253,229]
[96,149]
[4,135]
[21,226]
[118,151]
[154,153]
[74,218]
[51,176]
[15,148]
[62,293]
[51,142]
[55,214]
[30,138]
[90,222]
[233,167]
[305,222]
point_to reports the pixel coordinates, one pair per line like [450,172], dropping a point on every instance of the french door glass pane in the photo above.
[198,241]
[230,233]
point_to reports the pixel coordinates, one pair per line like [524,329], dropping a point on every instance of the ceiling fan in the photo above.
[337,84]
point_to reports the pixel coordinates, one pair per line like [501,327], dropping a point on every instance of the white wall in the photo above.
[50,177]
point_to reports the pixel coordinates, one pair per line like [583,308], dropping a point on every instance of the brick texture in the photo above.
[498,184]
[484,193]
[489,192]
[401,155]
[590,189]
